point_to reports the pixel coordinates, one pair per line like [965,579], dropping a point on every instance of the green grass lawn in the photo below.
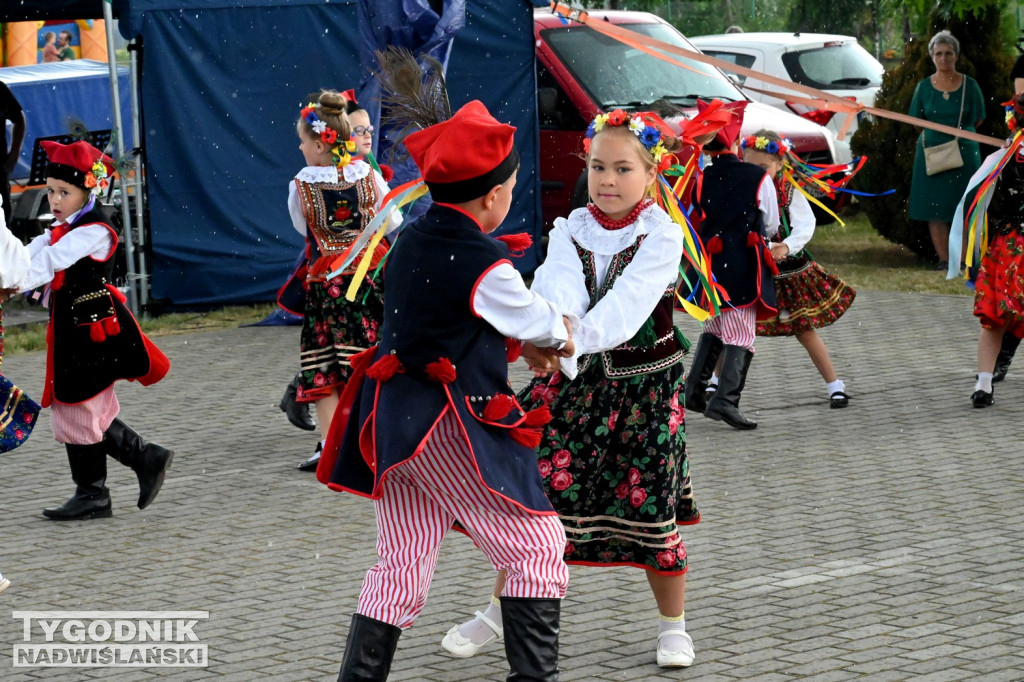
[858,255]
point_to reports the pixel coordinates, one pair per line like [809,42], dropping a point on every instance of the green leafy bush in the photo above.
[889,145]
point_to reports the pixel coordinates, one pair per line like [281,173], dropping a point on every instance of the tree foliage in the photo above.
[889,145]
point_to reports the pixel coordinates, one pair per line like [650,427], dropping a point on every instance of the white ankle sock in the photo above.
[984,382]
[714,380]
[477,630]
[836,386]
[672,642]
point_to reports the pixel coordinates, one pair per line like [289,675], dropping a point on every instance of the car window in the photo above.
[834,67]
[744,60]
[617,75]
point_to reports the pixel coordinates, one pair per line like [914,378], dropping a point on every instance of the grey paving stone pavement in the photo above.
[882,541]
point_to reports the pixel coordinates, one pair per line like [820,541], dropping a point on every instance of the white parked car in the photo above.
[833,63]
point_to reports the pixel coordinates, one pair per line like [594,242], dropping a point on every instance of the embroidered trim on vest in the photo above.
[625,360]
[331,221]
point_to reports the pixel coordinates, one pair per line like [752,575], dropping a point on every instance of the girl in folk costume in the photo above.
[330,201]
[92,339]
[994,213]
[19,413]
[740,211]
[292,295]
[613,459]
[808,297]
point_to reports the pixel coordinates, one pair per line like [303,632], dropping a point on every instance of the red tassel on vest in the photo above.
[442,371]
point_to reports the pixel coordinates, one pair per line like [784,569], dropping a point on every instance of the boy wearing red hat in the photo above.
[435,433]
[92,339]
[740,212]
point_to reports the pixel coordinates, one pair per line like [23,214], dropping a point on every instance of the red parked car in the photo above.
[581,73]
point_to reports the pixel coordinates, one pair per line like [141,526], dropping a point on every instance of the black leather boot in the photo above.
[1005,357]
[89,472]
[531,638]
[297,413]
[149,461]
[705,357]
[369,649]
[725,405]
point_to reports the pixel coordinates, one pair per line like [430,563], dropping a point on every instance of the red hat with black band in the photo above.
[463,158]
[728,133]
[76,164]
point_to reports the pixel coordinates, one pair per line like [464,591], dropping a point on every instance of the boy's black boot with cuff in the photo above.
[725,405]
[89,472]
[531,638]
[149,461]
[705,357]
[297,413]
[369,650]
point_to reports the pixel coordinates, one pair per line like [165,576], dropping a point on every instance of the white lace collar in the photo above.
[356,170]
[589,233]
[328,174]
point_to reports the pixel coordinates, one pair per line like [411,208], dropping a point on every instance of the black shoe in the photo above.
[710,393]
[531,638]
[982,399]
[148,460]
[838,400]
[311,463]
[943,266]
[369,650]
[705,357]
[297,413]
[89,472]
[725,405]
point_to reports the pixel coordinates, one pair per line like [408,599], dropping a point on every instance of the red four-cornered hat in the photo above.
[728,133]
[464,157]
[72,162]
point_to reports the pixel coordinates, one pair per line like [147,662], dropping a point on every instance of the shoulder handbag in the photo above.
[945,156]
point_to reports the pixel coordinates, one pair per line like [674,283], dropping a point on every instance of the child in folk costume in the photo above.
[435,434]
[19,412]
[613,459]
[292,295]
[330,201]
[92,339]
[808,297]
[740,211]
[994,212]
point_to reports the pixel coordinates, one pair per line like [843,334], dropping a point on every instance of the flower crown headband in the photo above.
[649,135]
[763,144]
[341,150]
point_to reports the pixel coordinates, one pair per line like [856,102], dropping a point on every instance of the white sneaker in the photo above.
[683,658]
[4,583]
[461,646]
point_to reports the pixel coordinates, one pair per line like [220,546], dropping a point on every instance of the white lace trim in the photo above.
[356,170]
[589,233]
[327,174]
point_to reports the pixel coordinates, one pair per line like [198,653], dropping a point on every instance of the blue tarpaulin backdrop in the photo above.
[221,87]
[53,94]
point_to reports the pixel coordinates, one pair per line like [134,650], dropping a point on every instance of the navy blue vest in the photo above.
[429,280]
[729,201]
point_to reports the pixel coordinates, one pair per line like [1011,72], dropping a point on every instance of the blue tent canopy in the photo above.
[54,94]
[221,86]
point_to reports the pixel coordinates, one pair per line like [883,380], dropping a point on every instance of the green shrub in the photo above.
[889,145]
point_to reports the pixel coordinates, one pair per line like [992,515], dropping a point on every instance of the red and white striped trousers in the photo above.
[421,499]
[734,326]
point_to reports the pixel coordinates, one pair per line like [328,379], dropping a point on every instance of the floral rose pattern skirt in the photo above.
[809,298]
[333,330]
[999,288]
[613,461]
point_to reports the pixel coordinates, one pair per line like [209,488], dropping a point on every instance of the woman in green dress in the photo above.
[938,98]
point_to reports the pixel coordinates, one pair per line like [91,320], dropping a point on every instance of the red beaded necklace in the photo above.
[609,224]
